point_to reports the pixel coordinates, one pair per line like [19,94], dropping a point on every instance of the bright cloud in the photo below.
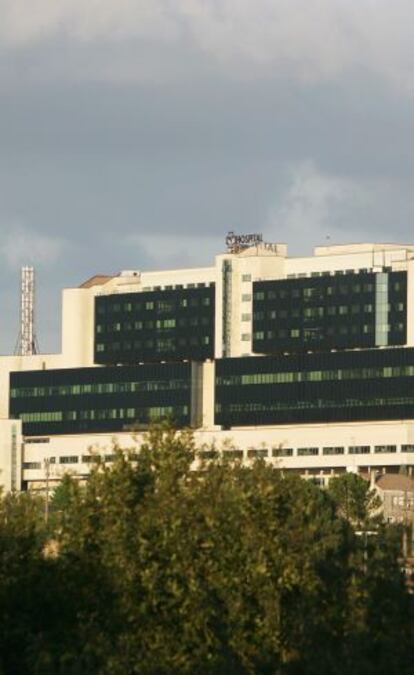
[24,246]
[316,206]
[311,40]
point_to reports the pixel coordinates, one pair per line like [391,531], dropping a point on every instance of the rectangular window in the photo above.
[246,297]
[32,465]
[333,450]
[246,337]
[89,459]
[407,447]
[385,448]
[72,459]
[306,452]
[246,317]
[246,277]
[282,452]
[260,453]
[233,454]
[359,450]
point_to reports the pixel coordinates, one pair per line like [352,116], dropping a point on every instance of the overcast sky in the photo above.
[135,133]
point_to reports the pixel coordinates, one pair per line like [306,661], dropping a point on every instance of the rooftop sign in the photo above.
[238,242]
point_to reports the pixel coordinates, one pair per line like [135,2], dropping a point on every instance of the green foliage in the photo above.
[160,569]
[354,499]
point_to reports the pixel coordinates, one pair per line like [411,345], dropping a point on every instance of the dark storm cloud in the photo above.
[142,151]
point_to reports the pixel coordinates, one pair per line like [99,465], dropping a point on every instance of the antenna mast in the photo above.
[27,342]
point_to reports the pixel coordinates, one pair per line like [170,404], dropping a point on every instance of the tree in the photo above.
[225,570]
[354,499]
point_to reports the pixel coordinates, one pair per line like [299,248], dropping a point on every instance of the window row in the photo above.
[314,404]
[314,292]
[263,452]
[159,345]
[336,329]
[75,459]
[160,306]
[99,388]
[320,312]
[317,375]
[160,324]
[150,413]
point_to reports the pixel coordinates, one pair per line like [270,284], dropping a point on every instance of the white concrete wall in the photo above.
[258,263]
[78,312]
[315,435]
[10,453]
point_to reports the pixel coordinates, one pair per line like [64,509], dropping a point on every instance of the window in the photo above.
[259,295]
[359,450]
[246,337]
[254,453]
[306,452]
[72,459]
[32,465]
[246,317]
[246,277]
[282,452]
[385,448]
[333,450]
[37,440]
[89,459]
[246,297]
[407,447]
[233,454]
[208,454]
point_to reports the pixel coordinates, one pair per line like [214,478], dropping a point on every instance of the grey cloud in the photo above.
[137,142]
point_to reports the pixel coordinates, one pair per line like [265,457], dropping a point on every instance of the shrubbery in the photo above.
[152,568]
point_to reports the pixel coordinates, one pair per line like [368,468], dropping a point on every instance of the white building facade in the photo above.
[306,362]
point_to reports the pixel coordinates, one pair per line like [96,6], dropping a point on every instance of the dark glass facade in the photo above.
[157,325]
[79,400]
[340,311]
[342,386]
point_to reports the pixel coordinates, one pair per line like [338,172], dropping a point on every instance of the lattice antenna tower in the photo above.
[27,341]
